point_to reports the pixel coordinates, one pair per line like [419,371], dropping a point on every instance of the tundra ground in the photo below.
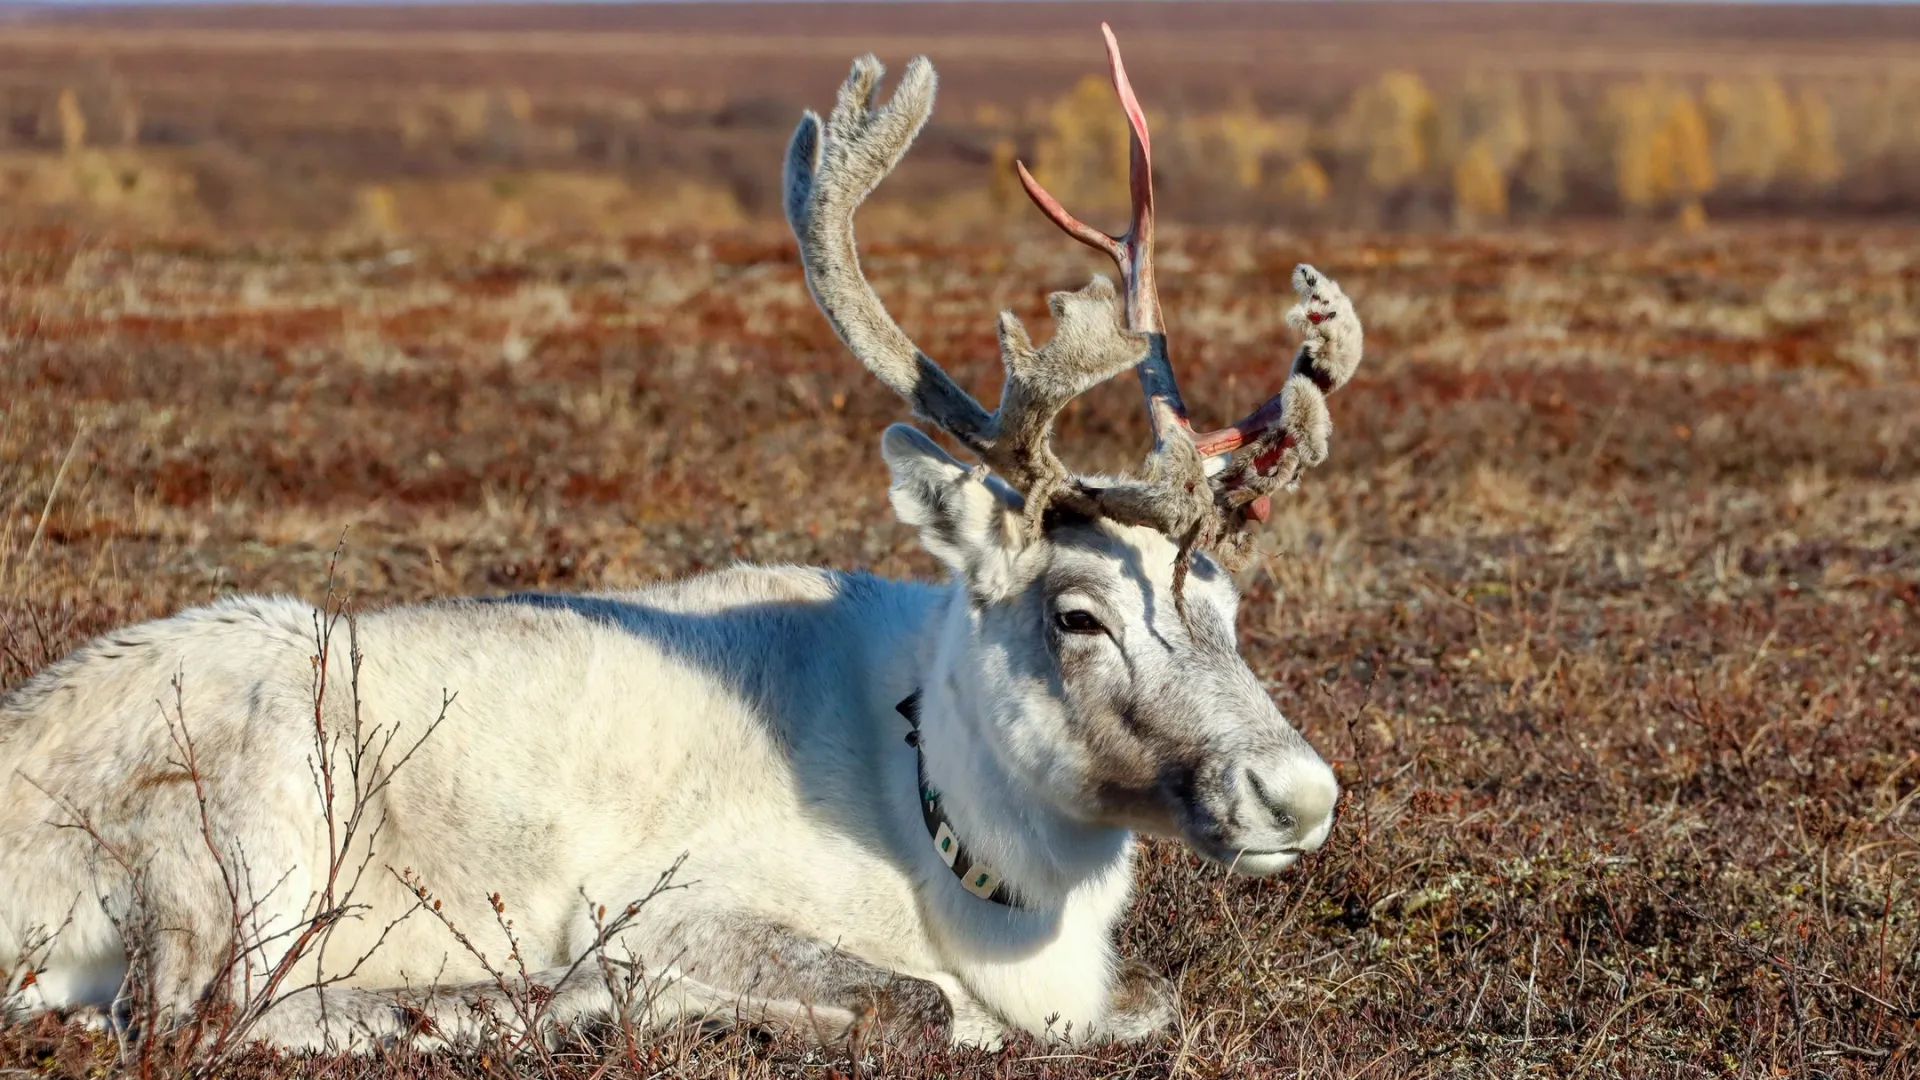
[1606,605]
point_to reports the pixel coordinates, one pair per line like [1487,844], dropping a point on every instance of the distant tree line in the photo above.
[1397,151]
[1499,148]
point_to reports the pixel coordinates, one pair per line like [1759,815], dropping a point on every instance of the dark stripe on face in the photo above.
[1209,630]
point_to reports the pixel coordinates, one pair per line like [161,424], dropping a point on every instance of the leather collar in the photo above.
[975,876]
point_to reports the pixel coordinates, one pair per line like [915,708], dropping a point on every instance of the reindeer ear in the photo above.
[968,518]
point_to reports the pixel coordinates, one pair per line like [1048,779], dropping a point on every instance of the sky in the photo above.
[152,3]
[19,5]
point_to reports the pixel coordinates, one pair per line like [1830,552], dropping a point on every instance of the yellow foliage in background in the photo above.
[1390,123]
[73,122]
[1480,148]
[1479,186]
[1305,183]
[1886,124]
[376,210]
[1242,139]
[116,185]
[1486,116]
[1764,135]
[499,121]
[1482,132]
[1555,142]
[1082,152]
[1689,147]
[1754,129]
[1662,152]
[510,219]
[1816,152]
[99,110]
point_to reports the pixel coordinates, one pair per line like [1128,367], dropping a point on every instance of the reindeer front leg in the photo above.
[779,972]
[725,966]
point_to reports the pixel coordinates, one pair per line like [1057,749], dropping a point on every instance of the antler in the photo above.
[1198,489]
[1271,446]
[830,170]
[1132,251]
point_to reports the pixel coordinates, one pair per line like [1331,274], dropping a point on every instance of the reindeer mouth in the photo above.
[1213,832]
[1256,863]
[1206,839]
[1253,862]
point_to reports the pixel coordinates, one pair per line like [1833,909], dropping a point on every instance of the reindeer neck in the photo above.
[1041,853]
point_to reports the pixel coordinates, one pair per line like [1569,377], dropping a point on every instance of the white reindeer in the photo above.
[900,804]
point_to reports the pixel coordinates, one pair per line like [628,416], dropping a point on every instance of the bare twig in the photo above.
[46,509]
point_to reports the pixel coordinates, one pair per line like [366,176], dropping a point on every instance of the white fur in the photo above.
[744,721]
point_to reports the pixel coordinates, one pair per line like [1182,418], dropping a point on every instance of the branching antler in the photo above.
[1270,447]
[1132,252]
[829,171]
[1286,435]
[1198,489]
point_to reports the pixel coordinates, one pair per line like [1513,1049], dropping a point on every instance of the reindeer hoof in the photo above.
[1143,1003]
[910,1010]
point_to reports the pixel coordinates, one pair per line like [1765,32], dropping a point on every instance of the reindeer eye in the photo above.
[1078,622]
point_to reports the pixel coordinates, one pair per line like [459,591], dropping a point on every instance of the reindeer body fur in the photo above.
[744,720]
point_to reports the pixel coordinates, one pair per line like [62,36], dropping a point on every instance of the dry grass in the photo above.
[1605,607]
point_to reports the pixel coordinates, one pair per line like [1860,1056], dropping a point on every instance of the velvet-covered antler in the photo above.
[1201,490]
[1240,465]
[830,169]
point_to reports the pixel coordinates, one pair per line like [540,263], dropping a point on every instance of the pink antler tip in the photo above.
[1136,117]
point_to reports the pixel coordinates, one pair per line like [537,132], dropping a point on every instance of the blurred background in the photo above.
[515,118]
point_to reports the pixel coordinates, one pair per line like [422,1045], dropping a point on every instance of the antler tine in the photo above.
[1250,459]
[1287,434]
[830,170]
[1132,252]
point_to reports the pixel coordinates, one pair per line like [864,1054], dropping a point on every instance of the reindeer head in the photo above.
[1098,637]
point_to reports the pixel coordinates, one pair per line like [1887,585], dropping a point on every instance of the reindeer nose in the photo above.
[1298,793]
